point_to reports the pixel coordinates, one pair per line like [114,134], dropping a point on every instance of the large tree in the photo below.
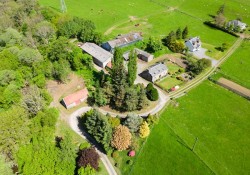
[185,33]
[144,130]
[28,56]
[121,138]
[87,157]
[133,121]
[98,126]
[132,68]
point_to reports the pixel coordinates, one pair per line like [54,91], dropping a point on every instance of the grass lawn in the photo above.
[172,68]
[237,66]
[166,153]
[212,52]
[169,82]
[220,120]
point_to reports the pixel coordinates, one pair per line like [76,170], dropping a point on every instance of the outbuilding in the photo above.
[75,98]
[100,56]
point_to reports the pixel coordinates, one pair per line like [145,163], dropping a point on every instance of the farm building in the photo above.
[75,98]
[193,44]
[100,56]
[122,41]
[141,54]
[237,23]
[155,72]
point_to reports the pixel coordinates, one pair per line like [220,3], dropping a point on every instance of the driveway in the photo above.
[202,54]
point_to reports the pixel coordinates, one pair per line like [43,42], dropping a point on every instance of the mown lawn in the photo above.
[237,66]
[169,82]
[220,121]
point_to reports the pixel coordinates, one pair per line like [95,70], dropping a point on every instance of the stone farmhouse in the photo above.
[155,72]
[100,56]
[193,44]
[75,99]
[141,54]
[122,41]
[237,23]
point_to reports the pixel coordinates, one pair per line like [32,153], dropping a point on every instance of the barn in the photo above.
[75,98]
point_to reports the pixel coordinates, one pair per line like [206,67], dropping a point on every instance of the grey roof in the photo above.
[137,51]
[125,39]
[142,52]
[157,69]
[195,41]
[96,51]
[236,23]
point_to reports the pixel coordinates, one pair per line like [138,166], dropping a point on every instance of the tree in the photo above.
[144,130]
[185,33]
[87,157]
[32,100]
[221,10]
[133,122]
[119,80]
[224,46]
[152,119]
[178,33]
[87,32]
[220,20]
[152,92]
[61,70]
[5,167]
[114,121]
[11,37]
[198,66]
[153,45]
[88,170]
[15,130]
[142,98]
[132,68]
[121,138]
[98,126]
[44,31]
[28,56]
[131,99]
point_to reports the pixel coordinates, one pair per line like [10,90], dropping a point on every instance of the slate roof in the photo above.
[125,39]
[75,97]
[236,23]
[96,51]
[157,69]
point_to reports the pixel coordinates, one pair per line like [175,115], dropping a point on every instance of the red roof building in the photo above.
[75,98]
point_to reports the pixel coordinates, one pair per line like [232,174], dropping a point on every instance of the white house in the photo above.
[193,44]
[237,23]
[100,56]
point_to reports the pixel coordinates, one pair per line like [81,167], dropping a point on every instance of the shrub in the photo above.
[133,122]
[84,145]
[144,130]
[152,119]
[87,157]
[115,155]
[152,92]
[129,162]
[114,121]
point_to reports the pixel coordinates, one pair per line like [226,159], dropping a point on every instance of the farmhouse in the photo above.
[155,72]
[75,98]
[237,23]
[122,41]
[193,44]
[141,54]
[100,56]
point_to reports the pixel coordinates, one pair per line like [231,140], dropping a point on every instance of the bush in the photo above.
[152,92]
[114,121]
[129,162]
[152,119]
[84,145]
[115,154]
[144,130]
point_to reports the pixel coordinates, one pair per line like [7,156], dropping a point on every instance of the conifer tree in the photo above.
[185,33]
[132,68]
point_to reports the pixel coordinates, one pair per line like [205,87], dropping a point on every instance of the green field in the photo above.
[237,66]
[220,121]
[169,82]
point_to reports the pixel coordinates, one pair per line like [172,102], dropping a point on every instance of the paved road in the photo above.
[73,122]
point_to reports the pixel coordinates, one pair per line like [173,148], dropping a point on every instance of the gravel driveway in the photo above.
[202,54]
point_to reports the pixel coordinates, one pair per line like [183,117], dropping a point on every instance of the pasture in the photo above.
[237,66]
[214,115]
